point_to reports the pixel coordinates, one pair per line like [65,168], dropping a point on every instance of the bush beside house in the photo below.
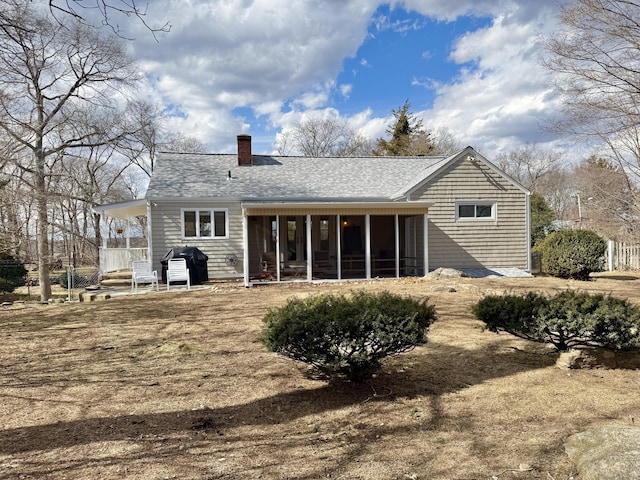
[572,254]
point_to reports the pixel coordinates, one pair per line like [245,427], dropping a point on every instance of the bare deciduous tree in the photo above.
[152,136]
[444,141]
[176,142]
[318,136]
[529,164]
[95,176]
[596,56]
[107,12]
[56,81]
[595,61]
[605,203]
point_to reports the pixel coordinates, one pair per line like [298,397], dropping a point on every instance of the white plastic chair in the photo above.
[177,271]
[142,273]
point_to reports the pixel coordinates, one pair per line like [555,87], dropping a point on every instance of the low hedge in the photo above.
[569,319]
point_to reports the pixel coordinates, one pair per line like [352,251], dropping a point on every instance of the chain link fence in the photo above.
[77,279]
[68,281]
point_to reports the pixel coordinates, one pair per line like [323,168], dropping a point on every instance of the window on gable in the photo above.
[201,223]
[476,210]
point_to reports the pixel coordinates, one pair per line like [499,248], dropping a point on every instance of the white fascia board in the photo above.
[284,204]
[186,199]
[124,210]
[468,151]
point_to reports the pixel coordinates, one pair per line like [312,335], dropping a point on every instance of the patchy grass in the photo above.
[177,385]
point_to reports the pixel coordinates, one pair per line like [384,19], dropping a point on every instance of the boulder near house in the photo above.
[267,218]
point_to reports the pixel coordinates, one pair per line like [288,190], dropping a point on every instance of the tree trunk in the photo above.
[42,230]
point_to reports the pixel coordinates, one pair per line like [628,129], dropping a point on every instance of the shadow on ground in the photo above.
[445,369]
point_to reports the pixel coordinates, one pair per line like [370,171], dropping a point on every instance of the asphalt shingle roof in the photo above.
[276,178]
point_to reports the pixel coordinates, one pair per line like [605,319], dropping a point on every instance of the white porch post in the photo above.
[309,250]
[102,260]
[367,246]
[278,248]
[127,240]
[339,245]
[426,243]
[396,220]
[149,238]
[245,247]
[528,229]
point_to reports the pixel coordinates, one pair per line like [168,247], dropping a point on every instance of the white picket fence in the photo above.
[623,256]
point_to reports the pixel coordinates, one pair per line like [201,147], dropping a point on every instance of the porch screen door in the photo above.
[411,246]
[296,238]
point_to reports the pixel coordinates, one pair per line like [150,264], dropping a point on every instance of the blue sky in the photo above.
[401,54]
[260,66]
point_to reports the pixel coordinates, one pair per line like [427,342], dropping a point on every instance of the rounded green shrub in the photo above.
[570,319]
[347,336]
[572,253]
[12,273]
[516,314]
[578,319]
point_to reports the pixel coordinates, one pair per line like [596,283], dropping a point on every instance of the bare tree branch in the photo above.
[60,86]
[596,61]
[319,136]
[107,11]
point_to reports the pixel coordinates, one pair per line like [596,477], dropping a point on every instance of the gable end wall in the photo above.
[502,242]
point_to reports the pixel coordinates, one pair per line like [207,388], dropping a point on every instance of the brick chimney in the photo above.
[244,150]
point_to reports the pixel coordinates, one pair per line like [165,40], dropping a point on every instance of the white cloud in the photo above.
[226,54]
[501,97]
[345,89]
[234,53]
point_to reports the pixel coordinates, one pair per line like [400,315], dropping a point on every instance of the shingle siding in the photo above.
[472,243]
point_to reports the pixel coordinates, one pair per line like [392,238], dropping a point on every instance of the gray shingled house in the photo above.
[277,218]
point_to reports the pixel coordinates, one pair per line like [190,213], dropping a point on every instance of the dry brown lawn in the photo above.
[177,385]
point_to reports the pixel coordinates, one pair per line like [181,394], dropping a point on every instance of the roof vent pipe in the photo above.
[244,150]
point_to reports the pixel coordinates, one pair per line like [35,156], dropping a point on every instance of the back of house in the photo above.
[278,218]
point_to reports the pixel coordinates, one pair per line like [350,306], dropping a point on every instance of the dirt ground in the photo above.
[177,386]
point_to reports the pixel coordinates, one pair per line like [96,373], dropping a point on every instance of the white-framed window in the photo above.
[476,210]
[205,223]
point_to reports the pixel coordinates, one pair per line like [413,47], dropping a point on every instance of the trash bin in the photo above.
[196,263]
